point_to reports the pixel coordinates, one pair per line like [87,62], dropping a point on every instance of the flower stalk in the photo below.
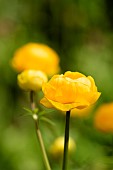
[66,141]
[39,136]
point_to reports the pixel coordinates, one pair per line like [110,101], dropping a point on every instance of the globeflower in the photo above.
[68,91]
[36,56]
[103,120]
[31,80]
[57,147]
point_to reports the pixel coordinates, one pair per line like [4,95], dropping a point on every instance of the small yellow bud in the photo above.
[57,147]
[31,80]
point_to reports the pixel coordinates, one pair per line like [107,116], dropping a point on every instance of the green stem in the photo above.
[32,100]
[66,141]
[39,136]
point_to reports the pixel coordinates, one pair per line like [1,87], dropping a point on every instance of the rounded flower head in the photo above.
[68,91]
[31,80]
[57,147]
[37,57]
[104,118]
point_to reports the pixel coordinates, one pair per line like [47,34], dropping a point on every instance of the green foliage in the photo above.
[82,34]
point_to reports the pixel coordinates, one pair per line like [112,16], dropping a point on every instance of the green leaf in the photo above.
[41,113]
[45,119]
[44,112]
[31,111]
[28,110]
[25,114]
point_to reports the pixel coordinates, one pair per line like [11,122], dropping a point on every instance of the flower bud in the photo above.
[57,148]
[31,80]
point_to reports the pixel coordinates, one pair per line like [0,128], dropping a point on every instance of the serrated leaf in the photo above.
[45,119]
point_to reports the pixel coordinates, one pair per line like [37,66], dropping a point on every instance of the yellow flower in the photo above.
[31,80]
[57,147]
[104,118]
[68,91]
[36,57]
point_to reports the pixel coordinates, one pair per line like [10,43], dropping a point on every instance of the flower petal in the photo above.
[64,107]
[93,86]
[73,75]
[46,103]
[60,90]
[94,97]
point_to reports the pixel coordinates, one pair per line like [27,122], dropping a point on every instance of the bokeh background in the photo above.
[81,32]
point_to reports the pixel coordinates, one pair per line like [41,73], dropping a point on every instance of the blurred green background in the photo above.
[81,32]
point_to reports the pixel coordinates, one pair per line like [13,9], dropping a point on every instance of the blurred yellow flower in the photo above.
[31,80]
[68,91]
[104,118]
[57,147]
[37,57]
